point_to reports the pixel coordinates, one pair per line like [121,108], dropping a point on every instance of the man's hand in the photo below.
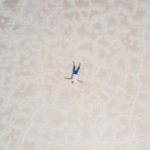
[80,81]
[67,78]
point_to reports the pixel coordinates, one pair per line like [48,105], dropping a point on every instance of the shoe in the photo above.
[73,62]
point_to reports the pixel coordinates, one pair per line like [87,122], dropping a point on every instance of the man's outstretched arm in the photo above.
[80,81]
[67,78]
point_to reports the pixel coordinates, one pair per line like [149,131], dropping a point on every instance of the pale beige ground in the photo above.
[40,110]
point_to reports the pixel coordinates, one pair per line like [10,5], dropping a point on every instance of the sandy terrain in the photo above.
[40,110]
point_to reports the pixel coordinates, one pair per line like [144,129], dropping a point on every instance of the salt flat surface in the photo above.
[40,110]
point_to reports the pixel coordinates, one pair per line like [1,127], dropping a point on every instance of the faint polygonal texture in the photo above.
[143,2]
[38,133]
[116,78]
[55,145]
[4,47]
[141,127]
[130,86]
[89,67]
[8,83]
[25,91]
[110,112]
[108,131]
[85,134]
[58,44]
[101,3]
[3,101]
[134,64]
[67,4]
[5,22]
[86,146]
[102,75]
[128,7]
[28,143]
[124,128]
[86,47]
[139,110]
[144,82]
[145,63]
[12,137]
[47,93]
[67,98]
[124,145]
[39,109]
[142,143]
[12,7]
[102,145]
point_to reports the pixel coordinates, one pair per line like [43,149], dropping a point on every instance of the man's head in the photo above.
[73,82]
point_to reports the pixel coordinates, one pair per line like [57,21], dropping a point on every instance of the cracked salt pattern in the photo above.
[39,110]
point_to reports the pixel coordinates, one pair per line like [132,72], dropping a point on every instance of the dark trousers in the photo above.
[76,71]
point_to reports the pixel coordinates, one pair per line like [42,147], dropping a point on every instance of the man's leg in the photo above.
[74,71]
[77,71]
